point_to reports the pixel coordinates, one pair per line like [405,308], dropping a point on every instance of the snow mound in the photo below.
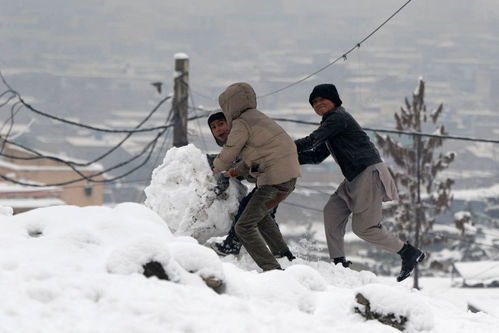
[400,302]
[100,240]
[182,193]
[307,277]
[131,257]
[199,259]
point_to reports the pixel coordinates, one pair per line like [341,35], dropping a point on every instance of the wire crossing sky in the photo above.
[343,56]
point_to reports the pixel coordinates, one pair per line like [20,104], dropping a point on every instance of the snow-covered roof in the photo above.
[12,166]
[478,193]
[15,128]
[92,142]
[15,188]
[18,203]
[477,272]
[44,152]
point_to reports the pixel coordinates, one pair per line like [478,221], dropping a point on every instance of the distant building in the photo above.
[46,171]
[478,274]
[23,198]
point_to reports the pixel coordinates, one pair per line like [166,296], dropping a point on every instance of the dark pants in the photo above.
[257,229]
[232,241]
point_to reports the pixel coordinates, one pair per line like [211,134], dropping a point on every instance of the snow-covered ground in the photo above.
[72,269]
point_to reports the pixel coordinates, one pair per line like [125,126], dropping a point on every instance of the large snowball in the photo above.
[182,193]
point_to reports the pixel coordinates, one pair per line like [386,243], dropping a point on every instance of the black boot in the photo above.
[342,261]
[228,246]
[286,254]
[411,256]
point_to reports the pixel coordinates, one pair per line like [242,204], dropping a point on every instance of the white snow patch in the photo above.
[182,193]
[180,56]
[7,211]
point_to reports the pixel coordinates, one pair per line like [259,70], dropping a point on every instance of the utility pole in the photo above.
[418,207]
[180,99]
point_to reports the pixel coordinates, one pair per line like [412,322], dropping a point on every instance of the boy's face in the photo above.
[322,105]
[220,129]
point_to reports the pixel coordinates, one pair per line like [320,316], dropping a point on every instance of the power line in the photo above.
[461,239]
[149,147]
[452,137]
[201,95]
[343,56]
[314,189]
[89,127]
[74,123]
[11,120]
[170,114]
[8,99]
[301,206]
[89,178]
[197,121]
[80,164]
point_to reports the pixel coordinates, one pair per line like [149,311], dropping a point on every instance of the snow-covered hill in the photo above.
[141,268]
[71,269]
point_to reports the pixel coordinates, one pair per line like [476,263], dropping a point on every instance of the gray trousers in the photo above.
[363,197]
[257,229]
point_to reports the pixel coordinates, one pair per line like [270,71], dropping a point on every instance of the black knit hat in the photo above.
[327,91]
[216,116]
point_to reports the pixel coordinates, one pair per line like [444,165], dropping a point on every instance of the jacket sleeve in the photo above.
[314,156]
[331,127]
[238,137]
[242,170]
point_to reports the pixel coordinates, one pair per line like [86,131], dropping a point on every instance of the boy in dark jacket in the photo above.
[367,183]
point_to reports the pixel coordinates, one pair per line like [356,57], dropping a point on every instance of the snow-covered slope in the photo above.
[71,269]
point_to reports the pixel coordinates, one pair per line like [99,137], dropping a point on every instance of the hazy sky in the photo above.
[227,40]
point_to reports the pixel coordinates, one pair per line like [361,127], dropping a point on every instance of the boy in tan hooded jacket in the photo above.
[268,154]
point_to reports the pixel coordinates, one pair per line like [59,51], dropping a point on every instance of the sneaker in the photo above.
[411,256]
[223,251]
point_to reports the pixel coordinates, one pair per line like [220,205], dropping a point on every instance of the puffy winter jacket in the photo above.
[268,153]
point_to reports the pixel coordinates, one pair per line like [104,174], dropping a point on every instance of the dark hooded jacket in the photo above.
[342,137]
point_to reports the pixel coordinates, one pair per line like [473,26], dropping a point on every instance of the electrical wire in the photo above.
[461,239]
[81,164]
[91,177]
[150,146]
[11,120]
[74,123]
[381,130]
[203,140]
[343,56]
